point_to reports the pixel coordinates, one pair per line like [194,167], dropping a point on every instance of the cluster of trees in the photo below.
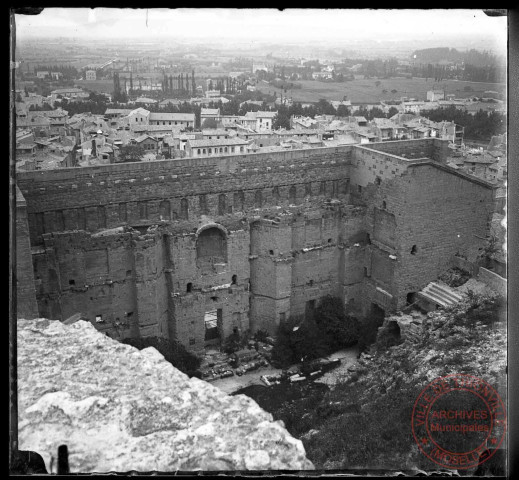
[180,83]
[379,68]
[43,108]
[67,70]
[467,72]
[174,352]
[481,126]
[131,153]
[472,56]
[323,107]
[289,72]
[473,65]
[326,330]
[96,104]
[227,85]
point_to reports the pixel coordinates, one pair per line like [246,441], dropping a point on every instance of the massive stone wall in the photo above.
[110,195]
[154,248]
[419,221]
[433,148]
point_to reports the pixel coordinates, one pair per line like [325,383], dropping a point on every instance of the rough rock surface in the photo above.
[121,409]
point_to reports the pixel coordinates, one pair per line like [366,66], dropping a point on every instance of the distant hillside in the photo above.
[445,54]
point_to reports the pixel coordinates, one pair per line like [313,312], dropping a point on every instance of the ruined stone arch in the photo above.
[211,245]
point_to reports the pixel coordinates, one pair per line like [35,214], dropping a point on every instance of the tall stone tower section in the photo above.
[27,307]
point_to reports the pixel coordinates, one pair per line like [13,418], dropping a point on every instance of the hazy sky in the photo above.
[292,25]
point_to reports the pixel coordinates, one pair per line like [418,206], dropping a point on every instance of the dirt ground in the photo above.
[348,357]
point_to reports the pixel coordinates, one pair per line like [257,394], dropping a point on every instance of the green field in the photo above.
[359,90]
[363,90]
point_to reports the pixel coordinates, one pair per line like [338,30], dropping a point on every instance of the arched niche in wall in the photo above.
[101,216]
[143,209]
[184,209]
[292,195]
[322,188]
[275,194]
[211,245]
[239,201]
[123,212]
[258,199]
[255,243]
[165,210]
[335,188]
[202,201]
[222,204]
[60,221]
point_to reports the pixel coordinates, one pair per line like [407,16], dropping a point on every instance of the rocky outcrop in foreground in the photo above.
[121,409]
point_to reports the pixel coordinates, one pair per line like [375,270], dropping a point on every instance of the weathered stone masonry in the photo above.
[155,248]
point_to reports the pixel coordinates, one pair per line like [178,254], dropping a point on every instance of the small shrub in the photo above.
[231,344]
[340,329]
[261,336]
[387,342]
[485,309]
[368,332]
[298,339]
[244,338]
[454,342]
[456,359]
[455,277]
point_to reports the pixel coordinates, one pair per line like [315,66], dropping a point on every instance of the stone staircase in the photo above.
[440,294]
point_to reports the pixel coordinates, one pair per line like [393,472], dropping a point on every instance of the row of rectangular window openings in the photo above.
[163,123]
[222,150]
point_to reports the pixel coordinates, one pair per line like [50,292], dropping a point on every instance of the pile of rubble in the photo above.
[309,371]
[217,365]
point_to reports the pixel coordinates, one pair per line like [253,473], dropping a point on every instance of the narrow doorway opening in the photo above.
[212,321]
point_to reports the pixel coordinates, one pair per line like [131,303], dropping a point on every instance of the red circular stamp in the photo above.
[458,421]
